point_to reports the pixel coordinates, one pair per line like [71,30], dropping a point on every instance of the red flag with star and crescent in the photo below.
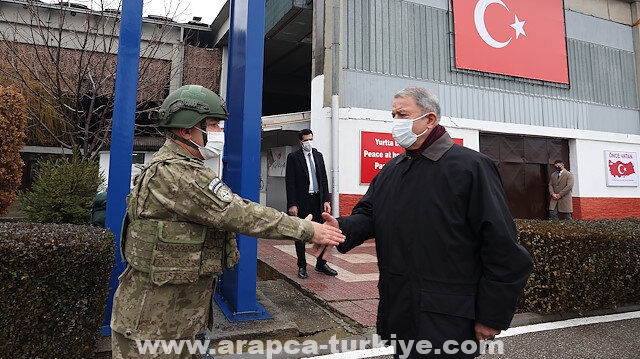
[619,169]
[522,38]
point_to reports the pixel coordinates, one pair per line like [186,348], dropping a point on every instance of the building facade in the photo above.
[592,121]
[171,54]
[342,87]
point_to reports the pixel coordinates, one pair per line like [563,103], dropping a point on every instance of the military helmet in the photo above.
[187,106]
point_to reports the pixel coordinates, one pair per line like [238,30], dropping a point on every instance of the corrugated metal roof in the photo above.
[392,44]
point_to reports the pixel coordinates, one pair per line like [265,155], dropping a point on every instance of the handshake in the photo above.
[325,235]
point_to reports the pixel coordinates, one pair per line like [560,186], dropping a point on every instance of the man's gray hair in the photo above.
[423,97]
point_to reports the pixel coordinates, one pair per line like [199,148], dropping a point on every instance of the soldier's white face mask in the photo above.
[214,146]
[307,145]
[402,131]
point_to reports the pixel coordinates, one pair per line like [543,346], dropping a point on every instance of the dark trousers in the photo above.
[314,207]
[553,214]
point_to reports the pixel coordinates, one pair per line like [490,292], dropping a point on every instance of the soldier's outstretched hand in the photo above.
[325,234]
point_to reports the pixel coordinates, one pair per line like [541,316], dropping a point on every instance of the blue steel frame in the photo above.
[124,115]
[237,288]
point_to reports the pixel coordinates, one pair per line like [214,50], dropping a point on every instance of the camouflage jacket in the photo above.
[177,187]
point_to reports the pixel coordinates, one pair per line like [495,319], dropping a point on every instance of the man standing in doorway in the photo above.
[560,186]
[307,193]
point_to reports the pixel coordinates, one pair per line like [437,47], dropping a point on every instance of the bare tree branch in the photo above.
[63,60]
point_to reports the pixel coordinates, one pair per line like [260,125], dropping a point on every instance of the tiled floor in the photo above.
[352,292]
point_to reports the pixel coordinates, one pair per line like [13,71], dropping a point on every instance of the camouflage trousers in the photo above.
[142,310]
[123,348]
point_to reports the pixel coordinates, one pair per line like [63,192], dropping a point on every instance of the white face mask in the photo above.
[214,146]
[403,131]
[307,145]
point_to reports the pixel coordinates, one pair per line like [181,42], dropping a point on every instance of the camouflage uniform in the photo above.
[177,187]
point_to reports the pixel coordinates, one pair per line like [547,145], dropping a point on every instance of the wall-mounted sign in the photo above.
[376,149]
[512,37]
[621,168]
[277,161]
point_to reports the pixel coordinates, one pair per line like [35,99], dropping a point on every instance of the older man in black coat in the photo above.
[450,265]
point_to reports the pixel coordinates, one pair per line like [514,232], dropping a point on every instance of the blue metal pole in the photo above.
[124,113]
[237,294]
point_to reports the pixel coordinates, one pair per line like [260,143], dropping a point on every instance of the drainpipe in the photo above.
[181,56]
[335,109]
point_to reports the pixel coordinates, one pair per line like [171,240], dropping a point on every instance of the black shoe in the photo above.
[326,270]
[302,273]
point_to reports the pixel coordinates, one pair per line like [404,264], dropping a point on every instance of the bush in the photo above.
[54,280]
[63,190]
[13,125]
[581,265]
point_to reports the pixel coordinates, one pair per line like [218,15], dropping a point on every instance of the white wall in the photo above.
[591,168]
[105,158]
[586,148]
[355,120]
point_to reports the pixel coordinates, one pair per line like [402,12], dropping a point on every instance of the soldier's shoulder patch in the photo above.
[220,190]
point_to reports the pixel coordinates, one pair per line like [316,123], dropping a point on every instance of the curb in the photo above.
[519,319]
[265,271]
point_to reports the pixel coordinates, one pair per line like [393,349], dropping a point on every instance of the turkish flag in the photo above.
[619,169]
[522,38]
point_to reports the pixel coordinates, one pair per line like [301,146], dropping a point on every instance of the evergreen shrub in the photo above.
[63,190]
[581,265]
[54,280]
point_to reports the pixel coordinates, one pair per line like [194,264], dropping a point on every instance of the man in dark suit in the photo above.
[307,193]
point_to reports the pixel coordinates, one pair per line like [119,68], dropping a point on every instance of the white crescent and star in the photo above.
[622,169]
[478,17]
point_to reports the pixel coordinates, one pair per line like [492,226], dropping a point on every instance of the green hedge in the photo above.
[54,280]
[581,265]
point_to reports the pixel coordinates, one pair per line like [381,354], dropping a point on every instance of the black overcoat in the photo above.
[446,245]
[297,181]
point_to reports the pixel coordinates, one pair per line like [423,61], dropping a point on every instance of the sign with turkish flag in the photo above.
[522,38]
[622,168]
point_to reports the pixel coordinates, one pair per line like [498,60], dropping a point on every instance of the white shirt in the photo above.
[306,158]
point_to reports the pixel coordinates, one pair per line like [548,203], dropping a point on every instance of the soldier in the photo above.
[178,233]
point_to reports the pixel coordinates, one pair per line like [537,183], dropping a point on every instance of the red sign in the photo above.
[376,149]
[521,38]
